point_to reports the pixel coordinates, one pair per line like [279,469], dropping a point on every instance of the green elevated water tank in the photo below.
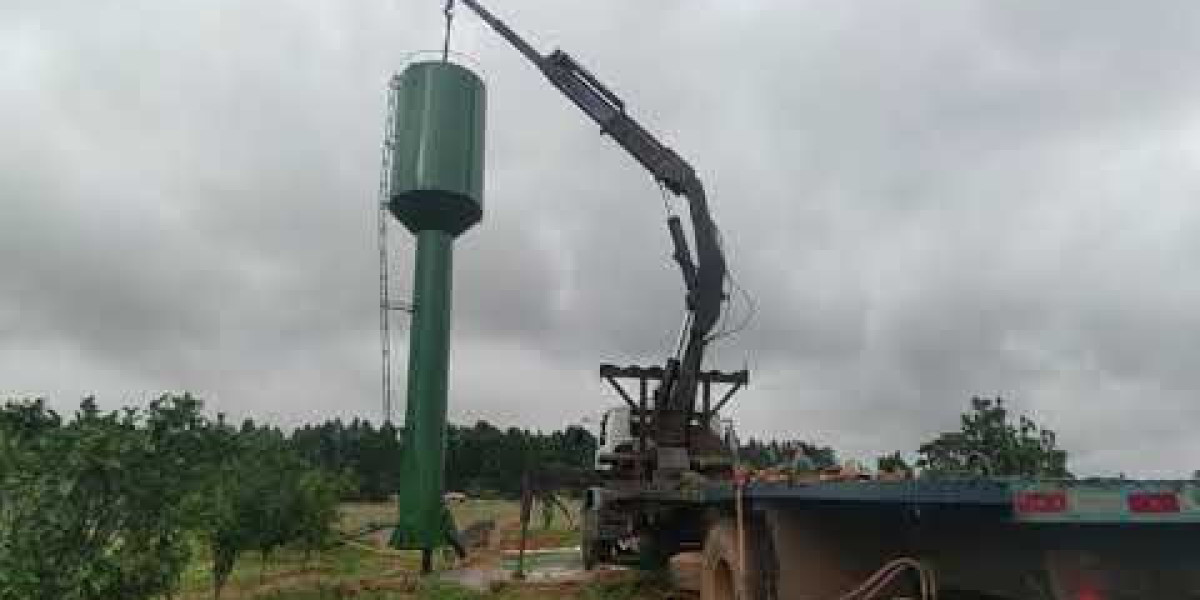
[437,161]
[436,190]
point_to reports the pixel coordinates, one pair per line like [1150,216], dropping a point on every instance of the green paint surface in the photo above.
[422,516]
[438,151]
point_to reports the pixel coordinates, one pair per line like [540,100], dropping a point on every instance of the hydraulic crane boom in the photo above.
[704,276]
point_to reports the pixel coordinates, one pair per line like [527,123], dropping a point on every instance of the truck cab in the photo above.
[620,438]
[619,443]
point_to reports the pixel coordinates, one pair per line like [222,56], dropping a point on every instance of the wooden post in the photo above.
[739,489]
[526,509]
[643,397]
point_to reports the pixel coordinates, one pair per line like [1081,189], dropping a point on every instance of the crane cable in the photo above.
[448,12]
[724,330]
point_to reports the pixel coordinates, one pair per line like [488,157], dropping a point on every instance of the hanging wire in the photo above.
[872,588]
[747,318]
[448,11]
[751,304]
[726,309]
[722,331]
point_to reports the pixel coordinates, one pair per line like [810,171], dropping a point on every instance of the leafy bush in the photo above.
[103,505]
[259,495]
[989,443]
[92,508]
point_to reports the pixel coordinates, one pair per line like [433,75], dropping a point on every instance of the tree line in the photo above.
[991,441]
[760,454]
[481,459]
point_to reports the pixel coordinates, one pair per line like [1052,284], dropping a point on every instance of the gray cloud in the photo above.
[926,203]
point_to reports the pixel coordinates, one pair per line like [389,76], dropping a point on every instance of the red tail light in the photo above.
[1042,502]
[1087,592]
[1154,503]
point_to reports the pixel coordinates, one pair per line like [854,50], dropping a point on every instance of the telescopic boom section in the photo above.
[704,276]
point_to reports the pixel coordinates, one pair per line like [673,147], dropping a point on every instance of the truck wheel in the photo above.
[653,551]
[587,555]
[719,566]
[593,551]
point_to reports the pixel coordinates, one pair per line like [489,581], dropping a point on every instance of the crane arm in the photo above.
[602,105]
[703,276]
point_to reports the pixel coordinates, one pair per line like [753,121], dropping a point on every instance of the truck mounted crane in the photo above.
[669,485]
[674,426]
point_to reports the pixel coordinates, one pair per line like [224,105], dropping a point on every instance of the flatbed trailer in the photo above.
[977,538]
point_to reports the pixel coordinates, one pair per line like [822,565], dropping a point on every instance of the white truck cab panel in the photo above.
[619,435]
[616,436]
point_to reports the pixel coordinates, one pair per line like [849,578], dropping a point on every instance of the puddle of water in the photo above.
[555,565]
[480,580]
[552,564]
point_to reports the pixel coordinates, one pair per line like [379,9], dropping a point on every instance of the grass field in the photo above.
[362,571]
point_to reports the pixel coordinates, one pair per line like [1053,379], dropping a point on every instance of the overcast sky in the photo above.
[926,200]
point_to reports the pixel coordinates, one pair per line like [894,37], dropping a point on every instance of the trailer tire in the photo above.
[654,551]
[594,549]
[719,566]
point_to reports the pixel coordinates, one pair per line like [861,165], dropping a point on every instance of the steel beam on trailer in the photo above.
[657,373]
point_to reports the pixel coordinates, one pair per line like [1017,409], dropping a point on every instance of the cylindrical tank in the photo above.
[437,158]
[436,190]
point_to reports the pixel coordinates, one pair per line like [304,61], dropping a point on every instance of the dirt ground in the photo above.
[364,568]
